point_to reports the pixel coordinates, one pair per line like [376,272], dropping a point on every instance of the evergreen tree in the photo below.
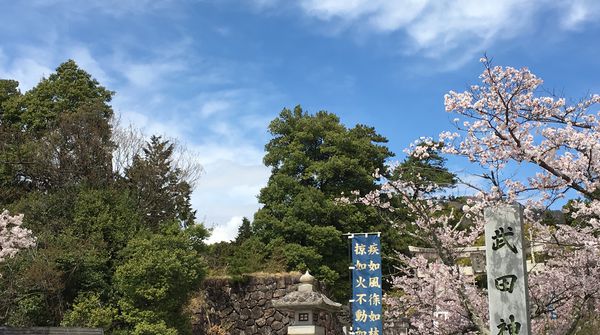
[162,194]
[11,187]
[156,279]
[9,93]
[428,172]
[429,175]
[57,134]
[65,91]
[314,160]
[244,231]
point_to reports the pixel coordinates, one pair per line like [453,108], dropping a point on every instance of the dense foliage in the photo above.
[314,159]
[117,249]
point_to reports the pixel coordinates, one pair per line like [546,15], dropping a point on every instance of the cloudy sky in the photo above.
[214,73]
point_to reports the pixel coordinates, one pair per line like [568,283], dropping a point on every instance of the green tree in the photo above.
[90,311]
[253,256]
[156,278]
[161,192]
[314,159]
[80,234]
[11,186]
[244,231]
[9,95]
[429,171]
[57,134]
[430,175]
[65,91]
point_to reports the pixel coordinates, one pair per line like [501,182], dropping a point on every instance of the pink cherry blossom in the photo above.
[500,123]
[13,236]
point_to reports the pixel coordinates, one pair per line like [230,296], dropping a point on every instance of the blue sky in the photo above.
[214,73]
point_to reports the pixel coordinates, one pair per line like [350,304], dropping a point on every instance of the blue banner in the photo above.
[366,285]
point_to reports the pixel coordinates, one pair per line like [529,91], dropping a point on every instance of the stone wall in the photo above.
[243,306]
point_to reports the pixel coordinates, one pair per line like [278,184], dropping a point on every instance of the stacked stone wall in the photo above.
[243,306]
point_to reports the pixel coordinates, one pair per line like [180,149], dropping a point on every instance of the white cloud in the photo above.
[228,187]
[85,60]
[456,29]
[382,15]
[27,69]
[110,7]
[233,179]
[149,75]
[224,127]
[433,26]
[577,12]
[149,124]
[213,152]
[29,64]
[213,107]
[225,232]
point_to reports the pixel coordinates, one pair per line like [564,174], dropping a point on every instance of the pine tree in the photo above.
[314,160]
[162,194]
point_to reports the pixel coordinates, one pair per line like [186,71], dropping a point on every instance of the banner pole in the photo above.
[350,268]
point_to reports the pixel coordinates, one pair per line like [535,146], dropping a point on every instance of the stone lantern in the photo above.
[478,262]
[305,304]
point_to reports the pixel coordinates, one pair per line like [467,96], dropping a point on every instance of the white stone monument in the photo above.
[506,271]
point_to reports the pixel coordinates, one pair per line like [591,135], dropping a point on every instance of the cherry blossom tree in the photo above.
[535,149]
[13,236]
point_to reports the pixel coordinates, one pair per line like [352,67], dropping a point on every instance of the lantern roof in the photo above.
[305,298]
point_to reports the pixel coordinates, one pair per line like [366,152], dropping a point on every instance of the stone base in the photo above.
[245,307]
[306,330]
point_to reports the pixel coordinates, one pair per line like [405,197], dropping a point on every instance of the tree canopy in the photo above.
[314,159]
